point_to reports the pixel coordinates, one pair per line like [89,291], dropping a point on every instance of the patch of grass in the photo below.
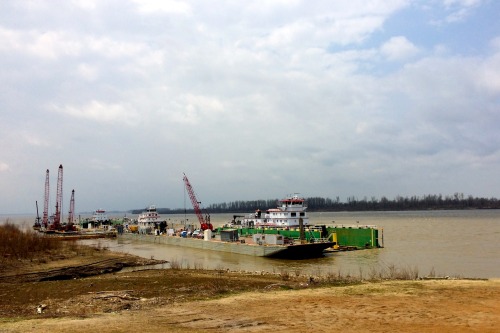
[16,244]
[285,275]
[175,264]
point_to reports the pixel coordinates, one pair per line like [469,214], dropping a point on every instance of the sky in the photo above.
[250,99]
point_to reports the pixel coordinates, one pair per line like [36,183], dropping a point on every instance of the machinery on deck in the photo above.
[204,220]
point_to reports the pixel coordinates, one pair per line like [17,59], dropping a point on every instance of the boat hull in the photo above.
[303,251]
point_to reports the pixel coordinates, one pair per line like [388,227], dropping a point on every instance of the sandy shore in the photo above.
[220,301]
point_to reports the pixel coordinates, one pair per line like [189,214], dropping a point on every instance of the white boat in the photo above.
[100,216]
[288,213]
[98,220]
[149,220]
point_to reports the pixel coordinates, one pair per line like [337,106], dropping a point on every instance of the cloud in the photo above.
[4,166]
[460,9]
[88,72]
[49,44]
[165,6]
[33,139]
[98,164]
[398,48]
[53,45]
[198,109]
[325,98]
[100,112]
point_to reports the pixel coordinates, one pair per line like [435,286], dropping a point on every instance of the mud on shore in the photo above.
[87,290]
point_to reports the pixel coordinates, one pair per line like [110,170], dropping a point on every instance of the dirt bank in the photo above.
[220,301]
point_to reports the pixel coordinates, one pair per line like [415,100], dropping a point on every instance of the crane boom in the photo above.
[71,213]
[57,219]
[204,222]
[37,224]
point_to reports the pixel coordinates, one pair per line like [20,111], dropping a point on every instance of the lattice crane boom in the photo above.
[45,218]
[71,214]
[204,222]
[57,218]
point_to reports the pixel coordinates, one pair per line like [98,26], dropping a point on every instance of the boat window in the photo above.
[293,214]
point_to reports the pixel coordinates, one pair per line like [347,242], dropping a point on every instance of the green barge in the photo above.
[350,237]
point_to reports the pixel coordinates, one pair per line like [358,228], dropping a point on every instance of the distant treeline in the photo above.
[318,204]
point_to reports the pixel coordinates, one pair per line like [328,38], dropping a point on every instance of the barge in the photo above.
[282,232]
[259,245]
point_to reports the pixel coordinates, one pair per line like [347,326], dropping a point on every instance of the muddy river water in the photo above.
[452,243]
[446,243]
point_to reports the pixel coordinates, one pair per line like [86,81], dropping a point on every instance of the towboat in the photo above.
[290,212]
[99,220]
[150,220]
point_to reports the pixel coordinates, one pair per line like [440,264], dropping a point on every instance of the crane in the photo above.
[57,217]
[71,213]
[37,224]
[204,221]
[45,218]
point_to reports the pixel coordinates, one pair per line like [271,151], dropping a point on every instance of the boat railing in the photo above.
[311,240]
[354,226]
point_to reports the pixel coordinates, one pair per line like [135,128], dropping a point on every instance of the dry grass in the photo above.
[16,244]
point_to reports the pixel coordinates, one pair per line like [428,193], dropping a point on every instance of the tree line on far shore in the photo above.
[319,204]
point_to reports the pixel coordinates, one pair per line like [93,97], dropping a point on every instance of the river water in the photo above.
[444,243]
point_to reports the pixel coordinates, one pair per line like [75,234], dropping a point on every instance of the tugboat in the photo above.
[290,212]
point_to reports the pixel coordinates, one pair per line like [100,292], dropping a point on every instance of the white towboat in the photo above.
[100,216]
[149,220]
[289,213]
[99,220]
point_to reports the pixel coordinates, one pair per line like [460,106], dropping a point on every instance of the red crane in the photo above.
[57,217]
[204,221]
[71,213]
[45,218]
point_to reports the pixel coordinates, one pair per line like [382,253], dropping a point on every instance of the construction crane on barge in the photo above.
[204,221]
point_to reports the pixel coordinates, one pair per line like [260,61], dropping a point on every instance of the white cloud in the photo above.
[488,74]
[166,6]
[460,9]
[50,45]
[98,164]
[4,166]
[100,112]
[88,72]
[398,48]
[86,4]
[495,43]
[33,139]
[462,3]
[196,109]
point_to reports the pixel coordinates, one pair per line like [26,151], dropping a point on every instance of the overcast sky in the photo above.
[251,99]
